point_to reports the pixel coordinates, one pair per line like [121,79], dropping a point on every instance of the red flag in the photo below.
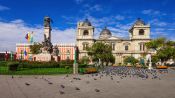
[6,56]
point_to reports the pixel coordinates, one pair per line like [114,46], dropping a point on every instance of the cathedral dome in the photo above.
[86,22]
[139,22]
[105,33]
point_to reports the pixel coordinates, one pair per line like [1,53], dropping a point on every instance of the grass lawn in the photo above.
[35,71]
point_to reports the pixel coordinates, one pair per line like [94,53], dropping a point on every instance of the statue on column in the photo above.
[47,45]
[47,21]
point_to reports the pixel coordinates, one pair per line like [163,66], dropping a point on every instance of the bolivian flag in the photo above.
[29,37]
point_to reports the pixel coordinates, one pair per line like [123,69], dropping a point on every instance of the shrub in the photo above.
[131,60]
[67,67]
[13,66]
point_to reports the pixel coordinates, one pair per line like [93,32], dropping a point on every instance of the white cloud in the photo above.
[157,22]
[2,8]
[152,12]
[88,8]
[79,1]
[14,32]
[120,17]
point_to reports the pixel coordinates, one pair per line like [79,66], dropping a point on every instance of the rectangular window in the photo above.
[143,47]
[113,46]
[140,47]
[126,48]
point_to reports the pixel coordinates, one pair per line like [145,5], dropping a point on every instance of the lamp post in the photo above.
[75,65]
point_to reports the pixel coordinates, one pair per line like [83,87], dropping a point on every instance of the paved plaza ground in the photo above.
[87,86]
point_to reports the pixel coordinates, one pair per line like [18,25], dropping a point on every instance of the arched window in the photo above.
[126,46]
[85,45]
[141,32]
[85,32]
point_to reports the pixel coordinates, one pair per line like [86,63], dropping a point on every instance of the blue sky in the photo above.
[20,16]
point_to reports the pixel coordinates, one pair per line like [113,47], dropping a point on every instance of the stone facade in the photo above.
[134,46]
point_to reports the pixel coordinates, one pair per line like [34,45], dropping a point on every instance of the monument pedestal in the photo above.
[150,66]
[46,57]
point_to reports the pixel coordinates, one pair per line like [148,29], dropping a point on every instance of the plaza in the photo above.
[87,86]
[87,49]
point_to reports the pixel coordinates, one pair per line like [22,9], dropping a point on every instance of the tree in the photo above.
[165,49]
[35,48]
[101,53]
[156,44]
[84,60]
[166,53]
[131,60]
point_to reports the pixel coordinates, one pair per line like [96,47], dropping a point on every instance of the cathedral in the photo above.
[139,34]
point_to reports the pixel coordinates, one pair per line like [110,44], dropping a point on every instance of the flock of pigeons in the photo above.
[119,71]
[132,72]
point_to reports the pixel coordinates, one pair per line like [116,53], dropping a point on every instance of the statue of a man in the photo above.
[47,21]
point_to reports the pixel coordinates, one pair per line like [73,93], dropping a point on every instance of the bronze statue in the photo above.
[55,51]
[47,21]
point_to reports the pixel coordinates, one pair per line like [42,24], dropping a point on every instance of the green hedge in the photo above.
[27,64]
[13,66]
[3,63]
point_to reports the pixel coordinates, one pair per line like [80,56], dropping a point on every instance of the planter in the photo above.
[162,67]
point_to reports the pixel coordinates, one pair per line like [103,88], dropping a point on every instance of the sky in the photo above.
[17,17]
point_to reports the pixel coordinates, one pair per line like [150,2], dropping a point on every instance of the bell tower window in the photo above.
[85,32]
[141,32]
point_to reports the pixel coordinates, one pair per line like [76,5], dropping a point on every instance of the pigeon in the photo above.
[97,90]
[95,79]
[27,84]
[111,78]
[76,88]
[50,83]
[62,86]
[71,81]
[61,92]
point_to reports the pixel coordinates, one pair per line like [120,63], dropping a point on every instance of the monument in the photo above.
[48,53]
[148,59]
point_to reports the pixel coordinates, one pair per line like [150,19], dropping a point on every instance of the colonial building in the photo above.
[134,46]
[66,51]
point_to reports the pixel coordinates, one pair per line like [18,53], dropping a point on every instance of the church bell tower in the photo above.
[140,30]
[84,36]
